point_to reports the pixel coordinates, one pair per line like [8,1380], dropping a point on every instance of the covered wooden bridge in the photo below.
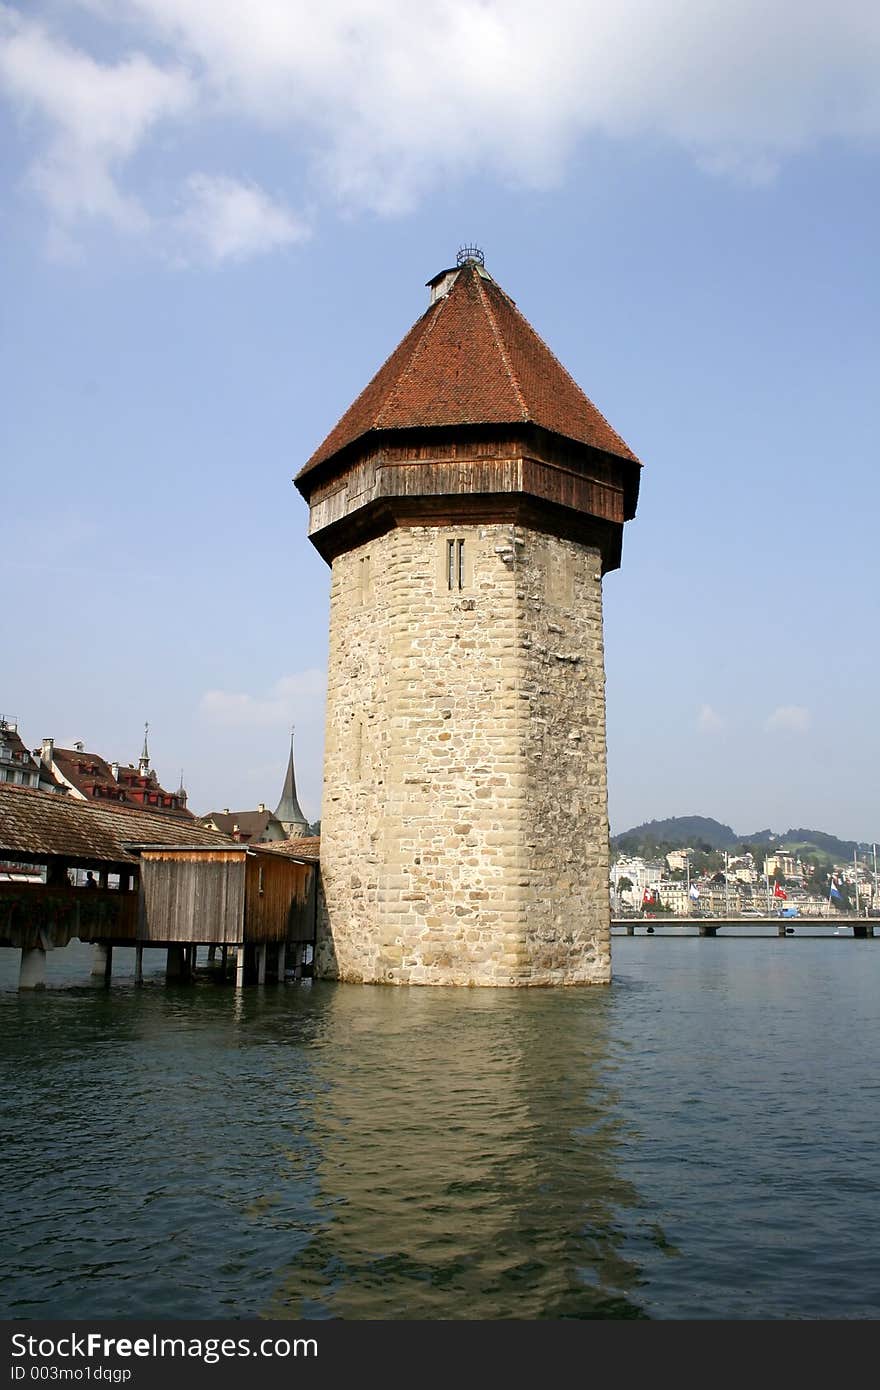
[158,881]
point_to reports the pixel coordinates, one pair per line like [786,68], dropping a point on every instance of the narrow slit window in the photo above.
[455,564]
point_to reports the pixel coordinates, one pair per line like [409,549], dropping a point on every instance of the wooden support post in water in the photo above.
[223,962]
[138,964]
[174,964]
[261,964]
[32,971]
[239,967]
[282,953]
[102,961]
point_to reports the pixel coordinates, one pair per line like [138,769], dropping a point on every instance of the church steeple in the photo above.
[144,760]
[288,809]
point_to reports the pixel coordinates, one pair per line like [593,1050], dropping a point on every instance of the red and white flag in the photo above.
[779,892]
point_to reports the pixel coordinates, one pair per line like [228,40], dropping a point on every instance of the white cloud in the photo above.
[97,115]
[792,719]
[709,721]
[293,699]
[386,98]
[230,221]
[394,94]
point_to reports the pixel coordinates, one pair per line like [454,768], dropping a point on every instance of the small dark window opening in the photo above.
[455,564]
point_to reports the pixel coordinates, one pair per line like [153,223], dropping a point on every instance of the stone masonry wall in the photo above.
[464,835]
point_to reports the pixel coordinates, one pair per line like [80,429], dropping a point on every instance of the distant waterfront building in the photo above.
[677,859]
[674,896]
[642,873]
[781,865]
[469,502]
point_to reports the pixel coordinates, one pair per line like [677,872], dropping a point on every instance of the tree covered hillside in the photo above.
[703,833]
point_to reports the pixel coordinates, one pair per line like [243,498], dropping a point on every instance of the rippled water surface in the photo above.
[699,1140]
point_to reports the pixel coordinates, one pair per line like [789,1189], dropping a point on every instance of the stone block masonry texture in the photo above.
[464,835]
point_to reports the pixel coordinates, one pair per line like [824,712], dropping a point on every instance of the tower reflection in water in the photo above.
[462,1158]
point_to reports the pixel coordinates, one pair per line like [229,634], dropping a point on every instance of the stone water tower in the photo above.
[469,502]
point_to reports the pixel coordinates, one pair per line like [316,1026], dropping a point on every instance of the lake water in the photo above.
[699,1140]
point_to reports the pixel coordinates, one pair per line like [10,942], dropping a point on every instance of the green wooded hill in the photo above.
[702,832]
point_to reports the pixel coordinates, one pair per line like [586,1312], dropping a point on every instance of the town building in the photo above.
[17,763]
[89,777]
[677,859]
[469,502]
[259,827]
[782,865]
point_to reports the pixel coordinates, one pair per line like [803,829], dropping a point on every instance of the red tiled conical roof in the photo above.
[472,359]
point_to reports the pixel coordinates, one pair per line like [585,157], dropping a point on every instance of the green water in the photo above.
[697,1140]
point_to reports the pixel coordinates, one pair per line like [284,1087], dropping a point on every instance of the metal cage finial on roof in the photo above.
[470,253]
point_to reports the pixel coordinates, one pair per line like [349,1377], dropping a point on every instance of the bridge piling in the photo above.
[174,965]
[102,961]
[32,971]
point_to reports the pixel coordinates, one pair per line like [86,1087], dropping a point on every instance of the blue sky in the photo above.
[214,234]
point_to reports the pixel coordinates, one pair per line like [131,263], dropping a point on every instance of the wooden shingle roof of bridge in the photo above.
[41,826]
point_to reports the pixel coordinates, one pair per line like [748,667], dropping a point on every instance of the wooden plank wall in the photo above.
[277,899]
[192,897]
[64,914]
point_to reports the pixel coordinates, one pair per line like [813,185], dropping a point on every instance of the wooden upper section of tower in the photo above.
[471,418]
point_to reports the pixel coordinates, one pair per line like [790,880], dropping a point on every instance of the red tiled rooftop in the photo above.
[472,359]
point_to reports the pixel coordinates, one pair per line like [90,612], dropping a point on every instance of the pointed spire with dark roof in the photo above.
[288,809]
[144,761]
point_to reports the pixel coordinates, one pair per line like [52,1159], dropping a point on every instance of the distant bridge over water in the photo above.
[837,926]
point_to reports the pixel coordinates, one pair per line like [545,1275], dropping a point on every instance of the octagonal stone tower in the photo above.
[469,502]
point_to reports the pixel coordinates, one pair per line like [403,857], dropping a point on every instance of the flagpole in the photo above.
[767,881]
[874,902]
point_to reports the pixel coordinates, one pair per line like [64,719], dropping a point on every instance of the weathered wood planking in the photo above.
[583,483]
[225,896]
[277,898]
[192,896]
